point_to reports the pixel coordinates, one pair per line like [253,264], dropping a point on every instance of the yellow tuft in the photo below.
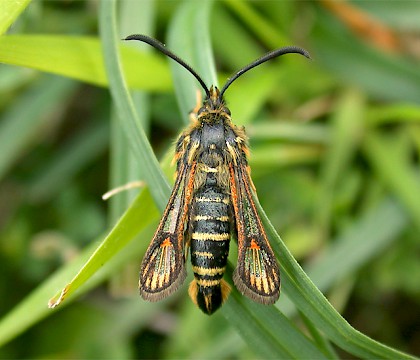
[193,291]
[225,288]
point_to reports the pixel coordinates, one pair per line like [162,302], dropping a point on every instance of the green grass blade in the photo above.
[267,32]
[125,108]
[230,31]
[154,176]
[134,17]
[267,331]
[81,58]
[9,11]
[138,216]
[312,303]
[185,35]
[319,338]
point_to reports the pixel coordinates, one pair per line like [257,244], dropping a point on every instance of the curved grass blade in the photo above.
[319,338]
[125,108]
[267,331]
[312,303]
[139,215]
[133,17]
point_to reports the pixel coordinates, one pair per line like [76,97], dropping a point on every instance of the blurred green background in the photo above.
[335,148]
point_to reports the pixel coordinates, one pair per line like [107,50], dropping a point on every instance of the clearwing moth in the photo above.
[211,201]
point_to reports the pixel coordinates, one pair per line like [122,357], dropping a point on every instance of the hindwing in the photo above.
[257,274]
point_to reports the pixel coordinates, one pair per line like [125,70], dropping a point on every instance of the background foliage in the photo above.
[335,158]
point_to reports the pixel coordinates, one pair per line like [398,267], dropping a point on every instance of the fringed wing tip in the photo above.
[154,296]
[254,296]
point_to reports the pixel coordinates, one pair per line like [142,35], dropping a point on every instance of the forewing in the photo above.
[257,274]
[163,266]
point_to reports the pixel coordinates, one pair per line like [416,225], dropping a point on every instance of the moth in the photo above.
[211,201]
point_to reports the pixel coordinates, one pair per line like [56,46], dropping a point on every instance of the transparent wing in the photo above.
[163,266]
[257,274]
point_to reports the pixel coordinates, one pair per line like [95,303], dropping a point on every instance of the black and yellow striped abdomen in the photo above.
[210,236]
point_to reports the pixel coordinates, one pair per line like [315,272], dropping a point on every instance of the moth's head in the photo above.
[213,104]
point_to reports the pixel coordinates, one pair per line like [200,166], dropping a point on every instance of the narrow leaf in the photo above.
[136,218]
[9,11]
[312,303]
[81,58]
[125,108]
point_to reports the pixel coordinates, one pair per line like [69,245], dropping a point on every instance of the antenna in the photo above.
[161,47]
[271,55]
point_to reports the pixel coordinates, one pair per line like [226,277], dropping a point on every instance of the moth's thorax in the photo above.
[212,140]
[213,137]
[211,156]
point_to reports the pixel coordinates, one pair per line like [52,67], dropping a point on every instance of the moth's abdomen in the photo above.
[210,236]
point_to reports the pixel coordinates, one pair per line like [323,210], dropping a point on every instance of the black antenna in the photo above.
[159,46]
[271,55]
